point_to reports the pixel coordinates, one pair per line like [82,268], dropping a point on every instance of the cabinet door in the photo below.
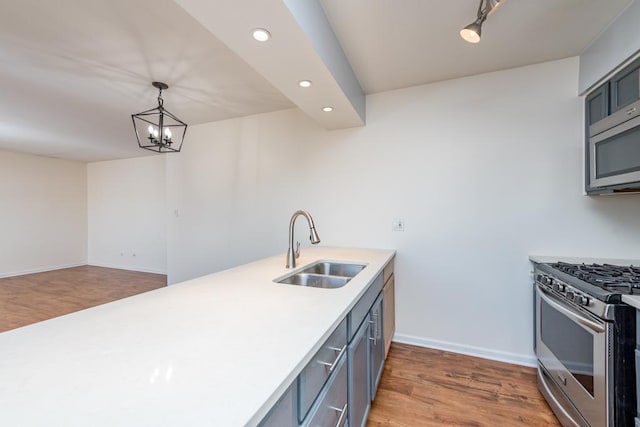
[376,345]
[597,105]
[625,87]
[358,357]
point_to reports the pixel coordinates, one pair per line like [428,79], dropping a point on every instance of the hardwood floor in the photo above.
[426,387]
[35,297]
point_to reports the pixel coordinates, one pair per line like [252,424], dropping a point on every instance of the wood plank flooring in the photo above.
[419,386]
[35,297]
[427,387]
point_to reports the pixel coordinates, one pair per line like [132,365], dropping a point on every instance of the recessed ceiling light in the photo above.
[304,83]
[261,35]
[327,109]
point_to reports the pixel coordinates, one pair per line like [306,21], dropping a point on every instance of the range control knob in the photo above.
[581,300]
[570,295]
[558,287]
[545,280]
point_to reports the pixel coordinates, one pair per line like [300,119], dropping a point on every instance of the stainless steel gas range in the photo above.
[585,340]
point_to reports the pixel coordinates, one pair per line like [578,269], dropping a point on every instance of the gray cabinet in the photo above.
[332,408]
[337,386]
[361,310]
[376,346]
[366,352]
[317,372]
[359,374]
[597,105]
[283,412]
[625,87]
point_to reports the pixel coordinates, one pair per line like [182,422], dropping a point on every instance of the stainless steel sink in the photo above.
[315,280]
[323,274]
[334,269]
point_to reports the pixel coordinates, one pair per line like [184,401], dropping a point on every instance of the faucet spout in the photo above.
[292,253]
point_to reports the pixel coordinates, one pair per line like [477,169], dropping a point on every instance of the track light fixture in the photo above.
[472,32]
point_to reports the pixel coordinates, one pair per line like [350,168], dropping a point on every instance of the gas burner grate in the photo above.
[605,276]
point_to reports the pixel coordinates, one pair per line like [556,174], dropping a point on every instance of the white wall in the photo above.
[44,213]
[484,170]
[611,49]
[127,214]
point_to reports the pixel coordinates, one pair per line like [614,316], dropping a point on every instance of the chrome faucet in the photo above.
[292,254]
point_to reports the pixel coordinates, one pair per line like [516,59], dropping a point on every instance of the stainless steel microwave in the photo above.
[614,151]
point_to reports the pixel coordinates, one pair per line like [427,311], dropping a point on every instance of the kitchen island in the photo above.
[216,350]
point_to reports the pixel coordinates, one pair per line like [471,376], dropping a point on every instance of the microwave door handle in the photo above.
[575,317]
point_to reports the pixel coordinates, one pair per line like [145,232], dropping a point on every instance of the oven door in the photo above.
[614,149]
[572,347]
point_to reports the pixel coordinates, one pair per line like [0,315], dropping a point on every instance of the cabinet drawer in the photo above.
[332,409]
[318,370]
[283,414]
[361,309]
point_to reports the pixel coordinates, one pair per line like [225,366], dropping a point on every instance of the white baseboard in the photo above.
[121,267]
[41,270]
[485,353]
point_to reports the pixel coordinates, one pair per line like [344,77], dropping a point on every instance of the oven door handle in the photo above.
[569,313]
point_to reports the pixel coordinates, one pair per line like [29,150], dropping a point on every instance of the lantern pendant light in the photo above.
[157,129]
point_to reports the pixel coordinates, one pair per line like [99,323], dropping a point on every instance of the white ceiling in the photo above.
[73,71]
[393,44]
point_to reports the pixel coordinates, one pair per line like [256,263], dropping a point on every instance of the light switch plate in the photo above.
[398,224]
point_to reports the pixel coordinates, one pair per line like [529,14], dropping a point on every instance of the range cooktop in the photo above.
[605,282]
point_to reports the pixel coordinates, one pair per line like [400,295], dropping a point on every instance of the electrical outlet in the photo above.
[398,224]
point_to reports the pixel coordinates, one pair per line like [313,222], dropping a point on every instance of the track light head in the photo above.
[471,33]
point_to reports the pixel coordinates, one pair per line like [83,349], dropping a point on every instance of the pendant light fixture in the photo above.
[157,129]
[472,32]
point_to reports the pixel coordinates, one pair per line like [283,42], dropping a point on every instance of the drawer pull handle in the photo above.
[343,414]
[375,328]
[332,366]
[630,111]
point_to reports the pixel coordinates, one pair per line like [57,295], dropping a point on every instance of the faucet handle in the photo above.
[297,250]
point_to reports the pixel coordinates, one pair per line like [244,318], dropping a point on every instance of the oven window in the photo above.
[571,344]
[618,154]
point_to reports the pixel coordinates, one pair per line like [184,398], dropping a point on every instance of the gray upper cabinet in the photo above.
[597,105]
[625,87]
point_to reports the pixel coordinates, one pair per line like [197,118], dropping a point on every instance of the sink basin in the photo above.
[315,280]
[324,274]
[334,269]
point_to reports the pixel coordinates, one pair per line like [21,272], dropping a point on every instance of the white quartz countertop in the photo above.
[633,300]
[213,351]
